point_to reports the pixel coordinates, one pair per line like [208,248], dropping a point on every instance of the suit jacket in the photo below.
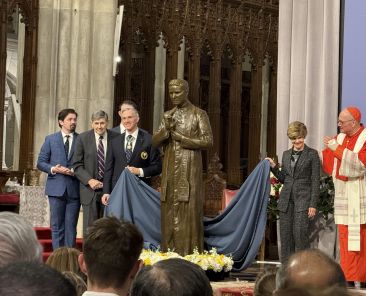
[144,156]
[53,153]
[302,182]
[117,129]
[85,162]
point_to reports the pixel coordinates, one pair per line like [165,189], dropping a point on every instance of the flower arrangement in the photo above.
[208,260]
[272,209]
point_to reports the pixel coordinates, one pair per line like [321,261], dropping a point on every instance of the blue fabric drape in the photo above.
[237,231]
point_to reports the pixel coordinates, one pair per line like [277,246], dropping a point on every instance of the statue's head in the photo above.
[178,91]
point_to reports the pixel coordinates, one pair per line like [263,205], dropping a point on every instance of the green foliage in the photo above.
[325,203]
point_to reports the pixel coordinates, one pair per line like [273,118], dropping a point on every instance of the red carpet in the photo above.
[44,237]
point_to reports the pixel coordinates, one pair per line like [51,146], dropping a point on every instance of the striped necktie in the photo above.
[100,158]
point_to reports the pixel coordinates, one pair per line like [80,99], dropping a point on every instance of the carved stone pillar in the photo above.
[233,157]
[214,102]
[147,100]
[159,89]
[171,68]
[255,116]
[194,74]
[26,154]
[3,32]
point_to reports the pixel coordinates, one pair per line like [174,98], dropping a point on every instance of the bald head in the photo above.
[348,121]
[312,268]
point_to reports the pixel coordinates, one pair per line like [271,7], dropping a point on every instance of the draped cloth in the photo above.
[237,231]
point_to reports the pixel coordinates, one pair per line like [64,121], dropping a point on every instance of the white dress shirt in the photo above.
[104,141]
[133,142]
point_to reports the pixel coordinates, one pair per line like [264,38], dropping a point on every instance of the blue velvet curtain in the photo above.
[237,231]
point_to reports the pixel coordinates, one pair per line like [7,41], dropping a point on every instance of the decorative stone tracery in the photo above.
[219,33]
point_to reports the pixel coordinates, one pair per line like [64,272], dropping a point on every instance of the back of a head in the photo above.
[33,279]
[265,284]
[77,281]
[172,277]
[295,291]
[111,249]
[18,240]
[303,291]
[64,259]
[311,268]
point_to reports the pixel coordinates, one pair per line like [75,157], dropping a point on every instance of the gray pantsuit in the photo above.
[300,192]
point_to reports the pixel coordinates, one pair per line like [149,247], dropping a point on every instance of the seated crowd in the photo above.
[110,265]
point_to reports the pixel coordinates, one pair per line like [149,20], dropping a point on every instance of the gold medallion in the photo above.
[144,155]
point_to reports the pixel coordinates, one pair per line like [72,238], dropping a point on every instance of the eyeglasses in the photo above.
[341,122]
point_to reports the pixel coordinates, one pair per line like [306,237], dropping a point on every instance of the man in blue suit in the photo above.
[62,187]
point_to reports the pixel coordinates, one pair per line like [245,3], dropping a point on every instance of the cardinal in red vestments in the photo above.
[345,159]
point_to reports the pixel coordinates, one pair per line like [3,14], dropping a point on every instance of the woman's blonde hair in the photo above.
[65,259]
[296,130]
[77,281]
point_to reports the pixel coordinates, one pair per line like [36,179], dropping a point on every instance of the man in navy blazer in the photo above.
[89,168]
[144,162]
[62,187]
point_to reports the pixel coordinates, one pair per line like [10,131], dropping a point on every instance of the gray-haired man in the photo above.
[89,163]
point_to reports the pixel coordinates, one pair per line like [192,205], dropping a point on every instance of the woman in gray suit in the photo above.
[299,174]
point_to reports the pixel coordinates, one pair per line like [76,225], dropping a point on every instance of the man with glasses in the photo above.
[345,159]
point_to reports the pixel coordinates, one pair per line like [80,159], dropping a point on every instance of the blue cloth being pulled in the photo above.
[237,231]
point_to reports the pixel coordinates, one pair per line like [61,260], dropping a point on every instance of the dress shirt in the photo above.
[134,135]
[122,128]
[71,138]
[104,141]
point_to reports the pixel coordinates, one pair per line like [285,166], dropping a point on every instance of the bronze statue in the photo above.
[184,131]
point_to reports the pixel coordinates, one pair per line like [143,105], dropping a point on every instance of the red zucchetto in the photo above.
[355,112]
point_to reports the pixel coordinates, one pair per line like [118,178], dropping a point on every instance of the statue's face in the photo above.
[177,94]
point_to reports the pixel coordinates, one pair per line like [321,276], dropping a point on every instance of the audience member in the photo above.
[66,259]
[110,256]
[33,279]
[303,291]
[295,291]
[311,268]
[265,284]
[77,281]
[18,241]
[176,277]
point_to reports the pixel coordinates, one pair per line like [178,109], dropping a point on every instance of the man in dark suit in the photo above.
[89,163]
[62,187]
[125,105]
[132,150]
